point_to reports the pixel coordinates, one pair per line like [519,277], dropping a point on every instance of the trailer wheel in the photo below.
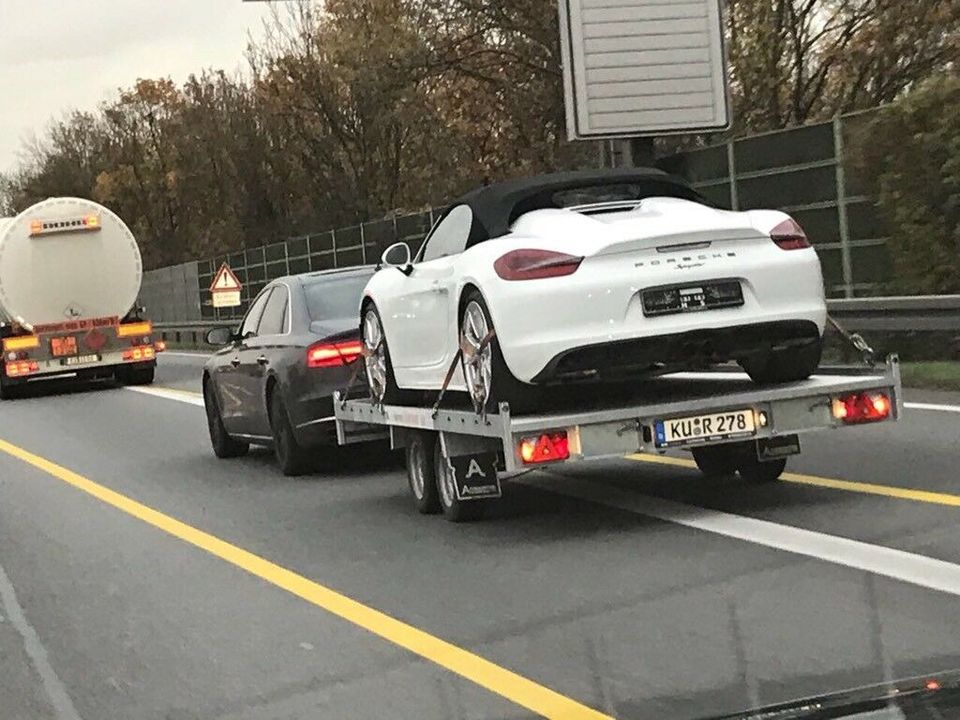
[716,460]
[454,510]
[754,471]
[422,473]
[8,392]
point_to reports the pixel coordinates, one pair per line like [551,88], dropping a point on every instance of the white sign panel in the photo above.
[225,299]
[643,67]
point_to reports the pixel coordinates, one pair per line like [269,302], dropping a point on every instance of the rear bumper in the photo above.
[106,367]
[615,360]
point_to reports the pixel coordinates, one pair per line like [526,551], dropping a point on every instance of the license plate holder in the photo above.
[80,360]
[709,427]
[674,299]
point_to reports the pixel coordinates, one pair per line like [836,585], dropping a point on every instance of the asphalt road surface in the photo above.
[142,578]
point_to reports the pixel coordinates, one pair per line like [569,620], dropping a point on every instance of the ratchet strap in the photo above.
[856,340]
[465,353]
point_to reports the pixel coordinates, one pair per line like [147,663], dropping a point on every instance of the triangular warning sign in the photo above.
[225,281]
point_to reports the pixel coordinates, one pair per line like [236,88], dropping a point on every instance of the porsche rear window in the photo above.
[334,296]
[626,191]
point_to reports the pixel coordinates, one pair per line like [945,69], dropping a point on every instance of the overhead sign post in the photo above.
[225,288]
[639,68]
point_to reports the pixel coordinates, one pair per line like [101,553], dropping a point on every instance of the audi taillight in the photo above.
[324,355]
[788,235]
[864,407]
[535,264]
[545,448]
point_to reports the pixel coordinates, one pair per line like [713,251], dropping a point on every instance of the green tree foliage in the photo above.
[911,157]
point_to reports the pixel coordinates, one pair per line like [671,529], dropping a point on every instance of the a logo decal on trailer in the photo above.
[474,469]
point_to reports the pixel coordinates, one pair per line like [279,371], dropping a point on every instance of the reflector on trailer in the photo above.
[864,407]
[549,447]
[24,342]
[131,329]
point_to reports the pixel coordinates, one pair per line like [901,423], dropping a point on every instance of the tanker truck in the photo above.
[70,274]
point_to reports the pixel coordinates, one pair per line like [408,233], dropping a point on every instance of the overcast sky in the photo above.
[59,55]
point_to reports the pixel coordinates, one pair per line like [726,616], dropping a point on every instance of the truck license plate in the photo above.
[81,359]
[698,428]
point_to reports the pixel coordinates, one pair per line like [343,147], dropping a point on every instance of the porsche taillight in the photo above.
[535,264]
[327,354]
[788,235]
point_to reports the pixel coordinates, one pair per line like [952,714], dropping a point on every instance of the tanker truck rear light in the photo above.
[23,342]
[132,329]
[160,346]
[139,353]
[48,227]
[21,368]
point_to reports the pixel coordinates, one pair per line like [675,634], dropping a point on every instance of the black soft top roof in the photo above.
[495,207]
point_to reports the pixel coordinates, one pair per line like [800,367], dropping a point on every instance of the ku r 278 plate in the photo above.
[699,428]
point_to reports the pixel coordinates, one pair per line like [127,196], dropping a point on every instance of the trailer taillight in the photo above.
[160,346]
[23,342]
[20,368]
[139,353]
[323,355]
[131,329]
[549,447]
[864,407]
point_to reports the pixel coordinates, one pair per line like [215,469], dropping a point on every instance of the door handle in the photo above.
[262,360]
[236,361]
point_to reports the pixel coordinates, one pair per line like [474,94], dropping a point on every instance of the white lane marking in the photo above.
[184,396]
[54,687]
[897,564]
[930,406]
[174,353]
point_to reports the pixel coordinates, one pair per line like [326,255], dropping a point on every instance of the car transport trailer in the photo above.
[456,458]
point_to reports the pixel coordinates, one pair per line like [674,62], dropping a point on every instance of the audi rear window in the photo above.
[332,296]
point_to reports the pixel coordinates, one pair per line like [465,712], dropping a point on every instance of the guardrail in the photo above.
[887,314]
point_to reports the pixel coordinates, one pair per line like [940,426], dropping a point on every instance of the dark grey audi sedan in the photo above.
[272,381]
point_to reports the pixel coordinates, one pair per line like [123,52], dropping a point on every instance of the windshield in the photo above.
[331,297]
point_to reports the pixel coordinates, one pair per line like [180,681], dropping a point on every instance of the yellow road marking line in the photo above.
[505,683]
[924,496]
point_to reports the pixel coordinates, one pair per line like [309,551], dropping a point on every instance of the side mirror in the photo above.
[220,336]
[397,256]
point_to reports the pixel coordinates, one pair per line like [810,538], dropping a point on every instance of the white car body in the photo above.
[659,242]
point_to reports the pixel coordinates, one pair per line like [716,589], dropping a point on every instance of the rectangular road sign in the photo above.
[643,67]
[226,298]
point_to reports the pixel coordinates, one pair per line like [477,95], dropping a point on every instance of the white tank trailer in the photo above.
[70,274]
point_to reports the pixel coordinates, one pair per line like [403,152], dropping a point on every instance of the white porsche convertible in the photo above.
[594,275]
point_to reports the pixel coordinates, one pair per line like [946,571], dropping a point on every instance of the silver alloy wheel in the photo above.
[477,369]
[448,493]
[417,480]
[376,356]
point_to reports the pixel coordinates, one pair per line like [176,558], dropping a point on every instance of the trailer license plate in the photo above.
[81,359]
[698,428]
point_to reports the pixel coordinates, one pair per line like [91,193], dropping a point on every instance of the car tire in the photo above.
[754,471]
[716,461]
[503,386]
[381,381]
[223,445]
[783,366]
[292,458]
[422,472]
[453,509]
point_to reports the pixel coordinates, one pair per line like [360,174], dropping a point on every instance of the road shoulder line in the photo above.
[56,691]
